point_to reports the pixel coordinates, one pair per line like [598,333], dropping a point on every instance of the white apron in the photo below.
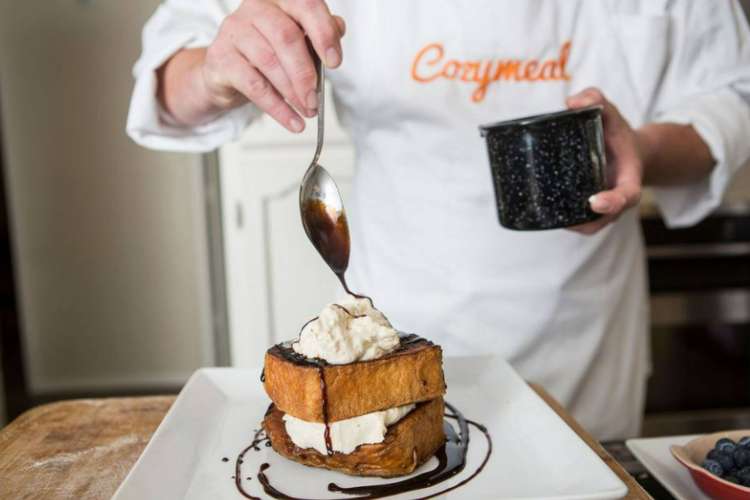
[567,311]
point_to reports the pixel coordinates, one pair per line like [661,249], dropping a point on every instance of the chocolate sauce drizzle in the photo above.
[349,312]
[324,391]
[342,279]
[258,438]
[369,299]
[451,461]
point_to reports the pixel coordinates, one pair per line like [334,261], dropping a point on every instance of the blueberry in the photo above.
[744,441]
[741,457]
[744,476]
[713,467]
[726,460]
[725,445]
[732,479]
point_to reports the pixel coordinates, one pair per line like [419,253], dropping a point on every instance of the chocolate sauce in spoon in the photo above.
[329,232]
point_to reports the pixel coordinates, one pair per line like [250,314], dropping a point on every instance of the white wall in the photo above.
[110,240]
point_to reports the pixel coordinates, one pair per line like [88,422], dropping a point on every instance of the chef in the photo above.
[412,81]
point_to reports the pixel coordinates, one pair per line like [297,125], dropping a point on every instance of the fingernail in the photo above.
[332,57]
[312,100]
[296,124]
[598,204]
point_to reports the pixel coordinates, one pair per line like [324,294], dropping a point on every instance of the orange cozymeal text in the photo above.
[430,64]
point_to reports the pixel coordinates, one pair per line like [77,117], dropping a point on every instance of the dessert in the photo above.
[730,461]
[352,394]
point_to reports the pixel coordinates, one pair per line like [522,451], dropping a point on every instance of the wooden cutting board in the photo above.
[79,449]
[83,449]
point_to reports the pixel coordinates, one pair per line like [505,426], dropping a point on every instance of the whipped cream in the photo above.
[347,331]
[346,435]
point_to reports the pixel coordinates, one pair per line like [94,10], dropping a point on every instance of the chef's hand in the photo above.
[259,55]
[624,159]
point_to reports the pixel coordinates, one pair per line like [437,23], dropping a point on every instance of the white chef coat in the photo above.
[568,311]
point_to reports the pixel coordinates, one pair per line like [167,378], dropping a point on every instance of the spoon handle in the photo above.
[320,89]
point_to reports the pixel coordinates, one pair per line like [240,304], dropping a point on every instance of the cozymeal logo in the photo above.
[431,64]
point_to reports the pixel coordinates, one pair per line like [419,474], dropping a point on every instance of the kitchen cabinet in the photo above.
[276,280]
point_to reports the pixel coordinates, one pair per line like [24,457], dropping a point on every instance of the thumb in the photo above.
[623,196]
[608,202]
[587,97]
[340,24]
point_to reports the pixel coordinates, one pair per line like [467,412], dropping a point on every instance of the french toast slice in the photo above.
[408,444]
[411,374]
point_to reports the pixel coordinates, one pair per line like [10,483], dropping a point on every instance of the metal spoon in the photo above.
[320,203]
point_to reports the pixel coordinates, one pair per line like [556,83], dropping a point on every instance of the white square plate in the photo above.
[655,456]
[536,455]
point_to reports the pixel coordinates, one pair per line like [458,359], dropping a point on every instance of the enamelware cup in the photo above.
[546,167]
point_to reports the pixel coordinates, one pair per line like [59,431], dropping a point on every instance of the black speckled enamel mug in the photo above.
[546,167]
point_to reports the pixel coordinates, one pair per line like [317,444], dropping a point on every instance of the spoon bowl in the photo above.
[320,203]
[324,219]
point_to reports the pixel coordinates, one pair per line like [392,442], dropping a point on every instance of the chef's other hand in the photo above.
[261,55]
[625,164]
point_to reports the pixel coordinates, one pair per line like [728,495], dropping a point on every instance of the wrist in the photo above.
[209,103]
[184,91]
[646,146]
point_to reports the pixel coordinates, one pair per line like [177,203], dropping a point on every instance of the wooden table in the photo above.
[83,449]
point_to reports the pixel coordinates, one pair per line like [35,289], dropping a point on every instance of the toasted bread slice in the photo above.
[411,374]
[407,444]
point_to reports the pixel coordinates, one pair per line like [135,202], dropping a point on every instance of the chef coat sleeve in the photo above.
[707,85]
[175,25]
